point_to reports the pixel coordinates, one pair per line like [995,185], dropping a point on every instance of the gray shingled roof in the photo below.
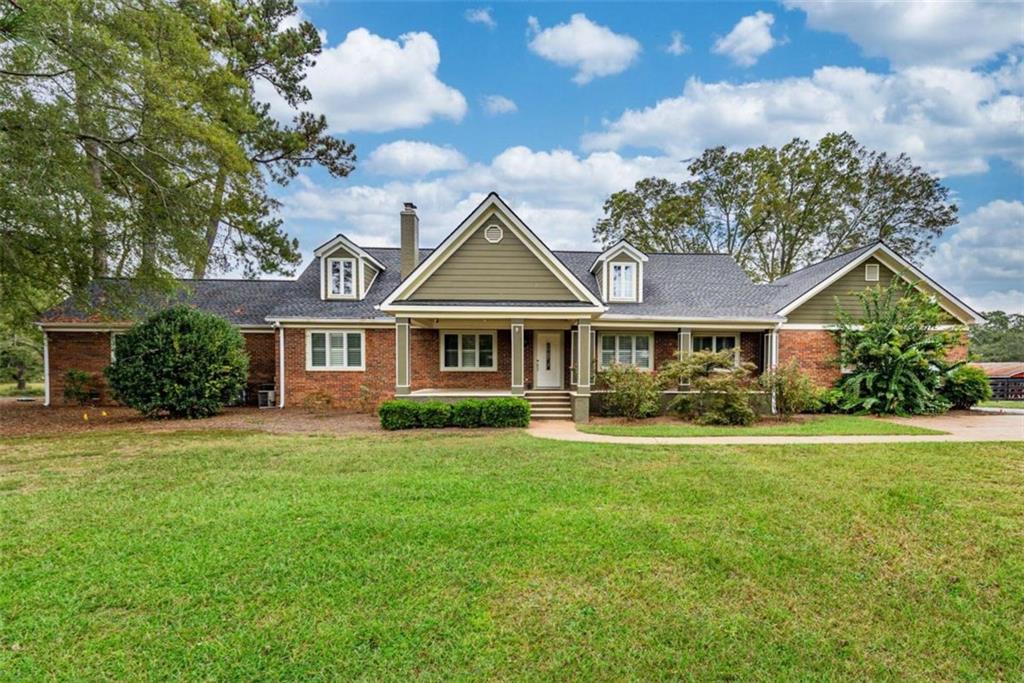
[675,286]
[788,289]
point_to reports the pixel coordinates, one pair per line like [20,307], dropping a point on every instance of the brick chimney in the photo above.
[410,239]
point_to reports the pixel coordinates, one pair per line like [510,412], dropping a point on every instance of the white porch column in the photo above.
[518,346]
[46,368]
[403,368]
[685,343]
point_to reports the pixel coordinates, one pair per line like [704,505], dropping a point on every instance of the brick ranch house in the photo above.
[493,311]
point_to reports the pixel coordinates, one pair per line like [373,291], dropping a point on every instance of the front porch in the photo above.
[553,363]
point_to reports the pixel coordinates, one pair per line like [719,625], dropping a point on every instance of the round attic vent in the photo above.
[493,233]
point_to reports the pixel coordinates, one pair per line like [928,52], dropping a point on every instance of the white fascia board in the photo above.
[348,322]
[615,318]
[81,327]
[614,250]
[501,312]
[342,241]
[430,264]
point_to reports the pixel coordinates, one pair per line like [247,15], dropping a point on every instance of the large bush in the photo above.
[897,349]
[505,412]
[180,362]
[435,414]
[632,393]
[966,386]
[793,390]
[720,390]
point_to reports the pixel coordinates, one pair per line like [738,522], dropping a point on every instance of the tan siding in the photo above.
[481,271]
[821,308]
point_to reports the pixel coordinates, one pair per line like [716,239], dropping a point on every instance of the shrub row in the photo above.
[492,412]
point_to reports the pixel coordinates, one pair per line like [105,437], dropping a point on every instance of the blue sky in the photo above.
[557,105]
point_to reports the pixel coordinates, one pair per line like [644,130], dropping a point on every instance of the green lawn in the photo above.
[221,556]
[1019,405]
[817,426]
[11,389]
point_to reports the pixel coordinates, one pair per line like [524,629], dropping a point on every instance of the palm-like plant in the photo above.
[897,350]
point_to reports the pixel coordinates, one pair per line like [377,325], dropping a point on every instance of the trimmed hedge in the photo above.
[492,412]
[505,412]
[467,413]
[435,414]
[400,414]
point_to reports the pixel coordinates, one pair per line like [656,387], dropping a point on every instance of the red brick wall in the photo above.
[262,352]
[752,349]
[425,358]
[343,386]
[959,352]
[814,351]
[87,351]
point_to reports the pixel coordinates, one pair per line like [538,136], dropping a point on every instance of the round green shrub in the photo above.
[180,362]
[399,414]
[505,412]
[435,414]
[966,386]
[466,413]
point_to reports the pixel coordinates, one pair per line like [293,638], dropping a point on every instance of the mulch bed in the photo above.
[669,419]
[34,419]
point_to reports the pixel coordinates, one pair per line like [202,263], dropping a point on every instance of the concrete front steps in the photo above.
[550,404]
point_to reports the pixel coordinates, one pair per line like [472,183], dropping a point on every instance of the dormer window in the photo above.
[623,281]
[619,271]
[342,277]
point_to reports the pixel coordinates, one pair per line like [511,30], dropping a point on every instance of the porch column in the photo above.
[581,401]
[518,385]
[402,365]
[685,343]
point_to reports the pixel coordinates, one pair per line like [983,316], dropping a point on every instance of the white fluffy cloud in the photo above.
[481,15]
[370,83]
[558,193]
[982,258]
[411,158]
[591,49]
[750,38]
[949,120]
[498,104]
[677,46]
[938,32]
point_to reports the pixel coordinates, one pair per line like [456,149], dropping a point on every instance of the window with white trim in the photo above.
[623,281]
[340,350]
[113,345]
[871,272]
[626,349]
[468,351]
[716,343]
[341,276]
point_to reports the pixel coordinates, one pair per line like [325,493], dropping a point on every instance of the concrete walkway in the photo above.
[959,427]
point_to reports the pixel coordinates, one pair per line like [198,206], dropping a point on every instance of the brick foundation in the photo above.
[352,391]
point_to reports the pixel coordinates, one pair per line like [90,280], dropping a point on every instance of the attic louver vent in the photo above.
[493,233]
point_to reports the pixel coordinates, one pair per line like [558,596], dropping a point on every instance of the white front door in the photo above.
[547,364]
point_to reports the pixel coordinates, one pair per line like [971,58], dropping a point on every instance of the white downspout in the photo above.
[280,367]
[773,357]
[46,369]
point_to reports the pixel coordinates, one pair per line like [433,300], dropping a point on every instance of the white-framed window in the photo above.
[626,349]
[871,272]
[335,350]
[341,277]
[473,351]
[717,342]
[623,281]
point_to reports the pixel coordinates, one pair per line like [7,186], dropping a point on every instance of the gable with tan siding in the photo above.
[479,270]
[821,308]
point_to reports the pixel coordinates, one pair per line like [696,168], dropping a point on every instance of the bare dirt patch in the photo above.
[34,419]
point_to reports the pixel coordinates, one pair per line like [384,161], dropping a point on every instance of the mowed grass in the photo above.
[10,389]
[818,425]
[1019,405]
[227,556]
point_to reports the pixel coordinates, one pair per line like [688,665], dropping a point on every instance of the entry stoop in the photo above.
[550,405]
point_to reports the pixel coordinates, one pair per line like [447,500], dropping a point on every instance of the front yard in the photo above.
[800,425]
[229,555]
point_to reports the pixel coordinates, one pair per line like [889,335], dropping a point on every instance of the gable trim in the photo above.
[340,240]
[900,262]
[462,233]
[616,249]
